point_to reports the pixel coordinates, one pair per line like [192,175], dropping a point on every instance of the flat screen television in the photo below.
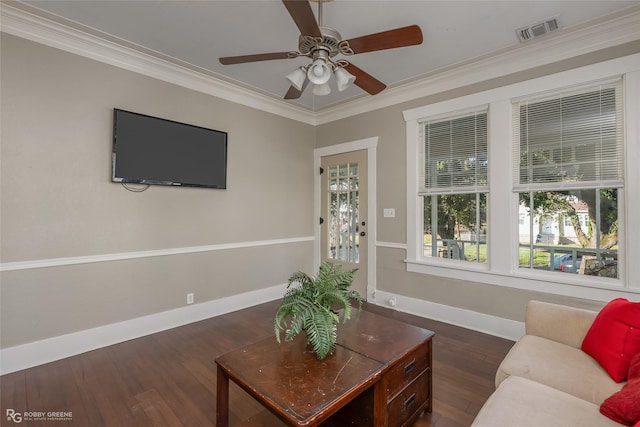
[151,150]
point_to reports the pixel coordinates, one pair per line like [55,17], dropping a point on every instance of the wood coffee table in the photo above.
[379,375]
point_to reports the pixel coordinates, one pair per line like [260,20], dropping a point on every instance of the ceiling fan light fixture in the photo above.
[321,44]
[297,77]
[319,72]
[322,89]
[343,78]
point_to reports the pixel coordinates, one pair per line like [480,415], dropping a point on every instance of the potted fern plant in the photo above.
[315,305]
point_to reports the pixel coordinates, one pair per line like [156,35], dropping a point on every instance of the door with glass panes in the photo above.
[344,213]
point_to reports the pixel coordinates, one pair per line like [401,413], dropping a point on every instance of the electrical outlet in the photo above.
[190,298]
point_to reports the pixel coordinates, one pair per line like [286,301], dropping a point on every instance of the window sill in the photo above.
[527,280]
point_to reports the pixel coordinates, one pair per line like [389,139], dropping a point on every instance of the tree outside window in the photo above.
[569,153]
[454,187]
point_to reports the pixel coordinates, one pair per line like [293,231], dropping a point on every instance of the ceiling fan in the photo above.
[321,44]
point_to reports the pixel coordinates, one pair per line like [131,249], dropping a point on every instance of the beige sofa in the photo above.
[546,379]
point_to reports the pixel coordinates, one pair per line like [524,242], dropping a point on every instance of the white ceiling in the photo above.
[199,32]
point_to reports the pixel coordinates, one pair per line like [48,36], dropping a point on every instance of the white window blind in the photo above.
[455,154]
[572,140]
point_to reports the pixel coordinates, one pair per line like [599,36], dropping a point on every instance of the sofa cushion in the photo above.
[523,403]
[614,337]
[559,366]
[561,323]
[624,406]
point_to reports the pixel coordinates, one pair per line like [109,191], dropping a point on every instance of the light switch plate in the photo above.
[389,213]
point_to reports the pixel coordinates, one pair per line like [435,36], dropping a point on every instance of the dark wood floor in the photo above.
[169,378]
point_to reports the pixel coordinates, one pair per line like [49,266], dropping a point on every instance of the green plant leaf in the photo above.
[321,333]
[311,304]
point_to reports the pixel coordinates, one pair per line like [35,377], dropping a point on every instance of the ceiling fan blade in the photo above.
[300,11]
[294,93]
[400,37]
[365,81]
[228,60]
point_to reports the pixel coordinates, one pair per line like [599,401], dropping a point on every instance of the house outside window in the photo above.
[559,207]
[454,186]
[568,163]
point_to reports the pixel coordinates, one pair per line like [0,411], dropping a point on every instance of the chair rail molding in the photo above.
[57,262]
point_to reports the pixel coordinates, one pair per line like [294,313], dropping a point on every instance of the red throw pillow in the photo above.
[624,406]
[614,337]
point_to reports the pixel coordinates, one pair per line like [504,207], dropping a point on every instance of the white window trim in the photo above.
[502,242]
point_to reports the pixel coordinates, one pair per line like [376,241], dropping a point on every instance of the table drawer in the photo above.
[405,371]
[408,401]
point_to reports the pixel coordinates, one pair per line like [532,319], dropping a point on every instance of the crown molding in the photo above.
[620,28]
[23,21]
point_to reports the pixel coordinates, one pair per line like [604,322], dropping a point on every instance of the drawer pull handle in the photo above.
[410,401]
[409,367]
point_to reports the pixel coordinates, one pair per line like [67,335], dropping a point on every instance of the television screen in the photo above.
[150,150]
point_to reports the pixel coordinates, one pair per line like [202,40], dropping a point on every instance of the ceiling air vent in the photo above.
[536,30]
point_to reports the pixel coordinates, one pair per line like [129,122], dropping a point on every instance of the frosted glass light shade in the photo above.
[297,77]
[319,73]
[343,78]
[323,89]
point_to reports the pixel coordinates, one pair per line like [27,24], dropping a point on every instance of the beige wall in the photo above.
[58,200]
[388,123]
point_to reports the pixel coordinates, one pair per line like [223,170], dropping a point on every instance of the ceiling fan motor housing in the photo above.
[331,42]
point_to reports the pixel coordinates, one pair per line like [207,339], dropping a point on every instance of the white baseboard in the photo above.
[497,326]
[48,350]
[39,352]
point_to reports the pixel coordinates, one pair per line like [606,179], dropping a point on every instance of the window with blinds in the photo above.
[453,185]
[570,141]
[568,167]
[556,207]
[455,154]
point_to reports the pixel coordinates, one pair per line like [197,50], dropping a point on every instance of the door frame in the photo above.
[369,144]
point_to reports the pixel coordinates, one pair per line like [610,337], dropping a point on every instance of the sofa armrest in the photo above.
[560,323]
